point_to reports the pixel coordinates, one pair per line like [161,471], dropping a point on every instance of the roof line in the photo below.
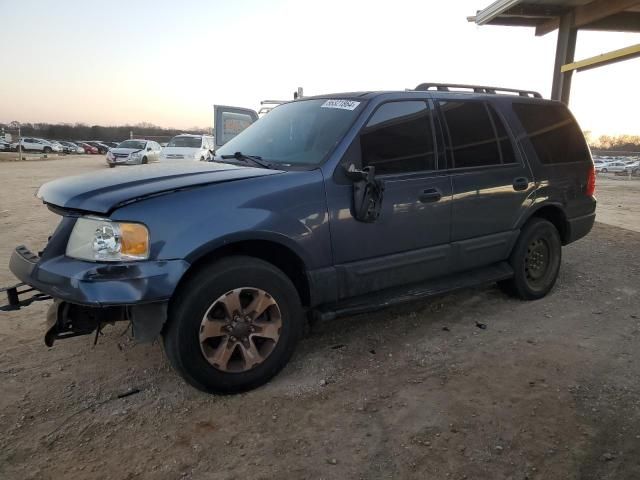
[492,11]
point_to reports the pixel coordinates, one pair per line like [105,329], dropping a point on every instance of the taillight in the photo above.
[591,182]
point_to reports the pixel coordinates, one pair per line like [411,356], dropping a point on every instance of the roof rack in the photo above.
[444,87]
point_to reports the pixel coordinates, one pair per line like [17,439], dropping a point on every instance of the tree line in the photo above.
[81,131]
[619,143]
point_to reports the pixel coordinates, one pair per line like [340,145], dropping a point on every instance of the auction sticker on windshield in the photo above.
[342,104]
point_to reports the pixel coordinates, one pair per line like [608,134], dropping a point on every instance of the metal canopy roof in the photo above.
[545,15]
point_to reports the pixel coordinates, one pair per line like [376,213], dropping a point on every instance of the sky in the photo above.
[167,62]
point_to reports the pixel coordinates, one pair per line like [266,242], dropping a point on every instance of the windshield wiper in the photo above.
[255,159]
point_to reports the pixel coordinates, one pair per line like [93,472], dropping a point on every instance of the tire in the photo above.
[202,159]
[535,260]
[111,165]
[47,150]
[604,170]
[195,304]
[144,160]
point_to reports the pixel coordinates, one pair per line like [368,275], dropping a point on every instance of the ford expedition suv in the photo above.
[327,206]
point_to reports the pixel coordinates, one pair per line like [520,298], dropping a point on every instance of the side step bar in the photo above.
[13,297]
[396,296]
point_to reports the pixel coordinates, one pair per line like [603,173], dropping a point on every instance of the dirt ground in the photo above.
[548,390]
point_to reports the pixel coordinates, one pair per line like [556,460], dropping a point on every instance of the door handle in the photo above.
[430,195]
[520,183]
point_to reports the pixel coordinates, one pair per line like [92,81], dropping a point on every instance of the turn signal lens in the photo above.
[135,239]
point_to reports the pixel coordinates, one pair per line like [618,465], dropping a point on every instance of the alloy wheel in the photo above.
[240,329]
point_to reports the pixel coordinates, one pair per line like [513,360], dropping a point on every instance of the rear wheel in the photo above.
[535,261]
[46,149]
[604,170]
[233,325]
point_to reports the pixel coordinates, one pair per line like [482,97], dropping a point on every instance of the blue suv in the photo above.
[326,206]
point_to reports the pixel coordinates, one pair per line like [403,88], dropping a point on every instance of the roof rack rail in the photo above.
[444,87]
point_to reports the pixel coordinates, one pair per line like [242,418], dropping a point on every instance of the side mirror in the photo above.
[367,193]
[148,149]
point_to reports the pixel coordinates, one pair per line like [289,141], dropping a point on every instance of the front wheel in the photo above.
[47,150]
[144,160]
[535,261]
[604,170]
[233,325]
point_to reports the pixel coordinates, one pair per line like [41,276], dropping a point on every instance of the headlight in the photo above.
[99,239]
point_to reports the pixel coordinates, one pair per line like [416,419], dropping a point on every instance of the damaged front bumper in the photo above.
[88,295]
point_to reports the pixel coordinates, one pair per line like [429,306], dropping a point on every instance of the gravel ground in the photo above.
[548,390]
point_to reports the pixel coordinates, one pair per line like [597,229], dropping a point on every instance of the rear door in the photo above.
[230,121]
[492,185]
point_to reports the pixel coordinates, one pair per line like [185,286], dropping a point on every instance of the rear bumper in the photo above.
[580,226]
[98,284]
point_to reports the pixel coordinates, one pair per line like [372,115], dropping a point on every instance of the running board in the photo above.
[400,295]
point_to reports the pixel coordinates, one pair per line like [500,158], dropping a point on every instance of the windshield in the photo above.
[137,144]
[188,142]
[296,133]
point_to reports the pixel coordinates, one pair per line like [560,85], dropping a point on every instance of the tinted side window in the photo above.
[506,147]
[553,132]
[398,138]
[473,140]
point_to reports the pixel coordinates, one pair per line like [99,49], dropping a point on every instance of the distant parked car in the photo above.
[134,152]
[70,147]
[111,144]
[614,167]
[31,144]
[56,143]
[189,147]
[5,146]
[102,148]
[633,168]
[88,148]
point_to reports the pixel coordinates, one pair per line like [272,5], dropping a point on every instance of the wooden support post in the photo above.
[565,52]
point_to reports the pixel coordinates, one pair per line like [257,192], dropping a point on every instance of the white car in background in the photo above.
[134,152]
[31,144]
[613,167]
[189,147]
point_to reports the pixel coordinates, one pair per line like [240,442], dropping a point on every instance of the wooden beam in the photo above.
[604,59]
[536,11]
[589,13]
[547,27]
[600,9]
[619,22]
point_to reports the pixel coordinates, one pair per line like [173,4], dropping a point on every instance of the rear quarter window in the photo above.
[554,134]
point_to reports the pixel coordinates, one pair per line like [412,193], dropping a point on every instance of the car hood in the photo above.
[102,192]
[124,150]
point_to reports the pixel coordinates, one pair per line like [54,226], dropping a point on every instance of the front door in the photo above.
[409,241]
[230,121]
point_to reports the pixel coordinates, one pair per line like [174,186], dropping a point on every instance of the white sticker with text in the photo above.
[342,104]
